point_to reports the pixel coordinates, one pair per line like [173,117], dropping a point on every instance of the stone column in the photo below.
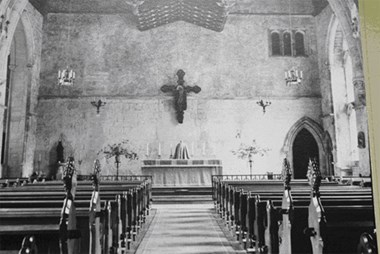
[362,126]
[27,162]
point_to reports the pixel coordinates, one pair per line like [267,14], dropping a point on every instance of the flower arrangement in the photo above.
[247,151]
[119,149]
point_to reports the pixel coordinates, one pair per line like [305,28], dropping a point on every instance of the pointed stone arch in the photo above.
[343,29]
[318,134]
[21,45]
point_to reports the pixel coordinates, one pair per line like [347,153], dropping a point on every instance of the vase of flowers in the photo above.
[117,150]
[247,151]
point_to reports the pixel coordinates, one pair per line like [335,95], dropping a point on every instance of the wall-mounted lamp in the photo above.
[293,77]
[263,104]
[66,77]
[98,104]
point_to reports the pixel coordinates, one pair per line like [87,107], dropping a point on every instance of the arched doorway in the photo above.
[304,148]
[308,133]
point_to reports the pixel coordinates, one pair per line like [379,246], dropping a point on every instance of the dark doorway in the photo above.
[304,147]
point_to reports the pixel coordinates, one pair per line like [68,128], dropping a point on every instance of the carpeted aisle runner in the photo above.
[185,228]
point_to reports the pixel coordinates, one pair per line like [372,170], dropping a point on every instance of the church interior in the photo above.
[170,98]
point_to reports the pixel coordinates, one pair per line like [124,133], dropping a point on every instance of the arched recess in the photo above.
[344,30]
[15,10]
[306,123]
[342,70]
[16,128]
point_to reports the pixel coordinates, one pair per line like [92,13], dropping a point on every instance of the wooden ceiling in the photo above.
[211,14]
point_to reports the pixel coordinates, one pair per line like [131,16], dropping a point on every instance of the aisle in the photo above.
[185,228]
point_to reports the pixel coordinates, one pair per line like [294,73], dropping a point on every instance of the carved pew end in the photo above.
[367,243]
[309,232]
[28,245]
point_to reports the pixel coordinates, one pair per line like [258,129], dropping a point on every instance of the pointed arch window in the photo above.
[287,43]
[276,44]
[299,44]
[287,39]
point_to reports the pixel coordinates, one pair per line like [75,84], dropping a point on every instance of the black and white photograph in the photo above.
[185,127]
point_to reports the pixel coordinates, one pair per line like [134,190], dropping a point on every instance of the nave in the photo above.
[187,229]
[249,214]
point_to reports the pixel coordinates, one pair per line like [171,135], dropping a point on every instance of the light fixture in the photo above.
[293,77]
[226,5]
[66,76]
[135,5]
[98,104]
[263,104]
[4,24]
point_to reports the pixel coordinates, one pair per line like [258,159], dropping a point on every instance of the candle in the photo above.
[147,149]
[159,149]
[192,148]
[39,157]
[204,149]
[171,149]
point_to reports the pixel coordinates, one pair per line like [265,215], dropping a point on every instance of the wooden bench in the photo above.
[37,208]
[254,210]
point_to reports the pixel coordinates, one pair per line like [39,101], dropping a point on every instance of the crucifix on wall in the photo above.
[180,92]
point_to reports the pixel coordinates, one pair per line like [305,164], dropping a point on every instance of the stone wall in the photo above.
[211,129]
[116,62]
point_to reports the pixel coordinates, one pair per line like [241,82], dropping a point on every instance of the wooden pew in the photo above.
[18,209]
[357,200]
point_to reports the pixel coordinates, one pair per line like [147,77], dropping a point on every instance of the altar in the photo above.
[181,173]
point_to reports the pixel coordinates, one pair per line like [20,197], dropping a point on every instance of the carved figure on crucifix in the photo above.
[180,92]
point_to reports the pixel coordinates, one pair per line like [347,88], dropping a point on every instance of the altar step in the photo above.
[181,195]
[197,199]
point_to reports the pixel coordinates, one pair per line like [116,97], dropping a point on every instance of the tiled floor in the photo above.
[185,228]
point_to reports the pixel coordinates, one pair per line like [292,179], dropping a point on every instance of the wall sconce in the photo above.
[4,24]
[66,77]
[293,77]
[98,104]
[263,105]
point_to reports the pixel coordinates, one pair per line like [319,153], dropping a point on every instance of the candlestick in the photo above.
[147,149]
[192,148]
[159,149]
